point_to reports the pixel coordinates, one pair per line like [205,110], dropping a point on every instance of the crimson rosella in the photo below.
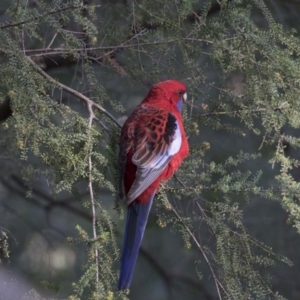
[153,144]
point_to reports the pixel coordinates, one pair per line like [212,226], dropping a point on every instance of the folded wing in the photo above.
[154,137]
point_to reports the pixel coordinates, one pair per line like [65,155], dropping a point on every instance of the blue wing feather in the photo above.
[137,216]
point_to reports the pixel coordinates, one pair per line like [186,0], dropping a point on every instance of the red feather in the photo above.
[152,146]
[144,131]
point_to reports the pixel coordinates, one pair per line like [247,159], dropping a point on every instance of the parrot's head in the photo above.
[170,94]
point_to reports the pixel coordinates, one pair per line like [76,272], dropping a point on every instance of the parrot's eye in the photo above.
[182,95]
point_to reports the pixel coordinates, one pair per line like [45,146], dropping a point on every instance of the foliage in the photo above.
[63,130]
[4,248]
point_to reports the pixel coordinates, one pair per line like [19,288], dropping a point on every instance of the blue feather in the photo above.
[179,104]
[137,217]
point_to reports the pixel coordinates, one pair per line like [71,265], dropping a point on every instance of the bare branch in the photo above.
[73,92]
[94,220]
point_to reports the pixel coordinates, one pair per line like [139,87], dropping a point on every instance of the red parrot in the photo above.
[153,144]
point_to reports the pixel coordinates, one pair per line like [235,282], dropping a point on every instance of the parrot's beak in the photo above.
[184,96]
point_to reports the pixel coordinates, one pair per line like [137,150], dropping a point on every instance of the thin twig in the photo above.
[88,101]
[94,221]
[217,282]
[40,17]
[16,10]
[60,50]
[231,112]
[54,37]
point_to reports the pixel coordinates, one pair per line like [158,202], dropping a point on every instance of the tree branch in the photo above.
[94,218]
[51,202]
[40,17]
[199,246]
[73,92]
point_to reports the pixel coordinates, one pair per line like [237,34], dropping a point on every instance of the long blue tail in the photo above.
[137,217]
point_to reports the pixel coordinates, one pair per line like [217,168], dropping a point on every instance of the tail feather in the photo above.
[137,217]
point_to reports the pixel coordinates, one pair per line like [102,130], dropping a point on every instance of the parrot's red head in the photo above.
[169,94]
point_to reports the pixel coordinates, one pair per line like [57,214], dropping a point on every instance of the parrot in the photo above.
[153,144]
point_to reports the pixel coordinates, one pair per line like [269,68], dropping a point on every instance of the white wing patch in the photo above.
[145,176]
[176,143]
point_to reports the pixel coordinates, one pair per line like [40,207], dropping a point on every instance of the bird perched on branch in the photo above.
[153,144]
